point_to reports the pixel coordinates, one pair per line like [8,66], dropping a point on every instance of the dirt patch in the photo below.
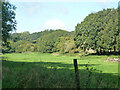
[27,52]
[55,54]
[113,60]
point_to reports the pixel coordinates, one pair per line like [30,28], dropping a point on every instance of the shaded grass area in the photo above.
[56,72]
[36,75]
[106,53]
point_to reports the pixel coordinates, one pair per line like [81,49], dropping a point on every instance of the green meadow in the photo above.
[44,58]
[39,70]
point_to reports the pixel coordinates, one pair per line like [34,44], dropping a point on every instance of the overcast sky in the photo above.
[34,16]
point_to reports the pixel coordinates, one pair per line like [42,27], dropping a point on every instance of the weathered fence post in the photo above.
[76,74]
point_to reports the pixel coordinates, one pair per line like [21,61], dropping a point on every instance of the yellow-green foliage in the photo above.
[22,46]
[65,45]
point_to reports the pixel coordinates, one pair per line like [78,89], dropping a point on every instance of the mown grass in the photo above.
[37,70]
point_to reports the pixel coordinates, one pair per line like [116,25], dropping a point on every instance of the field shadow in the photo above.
[37,75]
[49,64]
[105,53]
[59,64]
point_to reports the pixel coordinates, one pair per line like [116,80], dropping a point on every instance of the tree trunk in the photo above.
[100,51]
[97,51]
[114,49]
[103,51]
[84,52]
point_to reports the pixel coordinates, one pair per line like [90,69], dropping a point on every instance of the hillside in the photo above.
[98,31]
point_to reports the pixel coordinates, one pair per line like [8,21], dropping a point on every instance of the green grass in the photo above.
[38,70]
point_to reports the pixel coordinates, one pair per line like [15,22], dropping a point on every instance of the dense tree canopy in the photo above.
[44,41]
[25,36]
[8,20]
[98,31]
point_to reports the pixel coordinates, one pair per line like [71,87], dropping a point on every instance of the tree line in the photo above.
[98,31]
[47,41]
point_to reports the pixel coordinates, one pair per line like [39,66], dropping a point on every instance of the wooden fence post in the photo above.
[76,74]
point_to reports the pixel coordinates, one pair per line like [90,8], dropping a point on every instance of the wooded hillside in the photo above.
[98,31]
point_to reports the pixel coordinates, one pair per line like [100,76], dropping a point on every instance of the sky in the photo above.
[36,16]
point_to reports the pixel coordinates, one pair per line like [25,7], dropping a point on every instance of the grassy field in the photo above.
[37,70]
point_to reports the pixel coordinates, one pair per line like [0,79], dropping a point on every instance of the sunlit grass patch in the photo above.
[38,70]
